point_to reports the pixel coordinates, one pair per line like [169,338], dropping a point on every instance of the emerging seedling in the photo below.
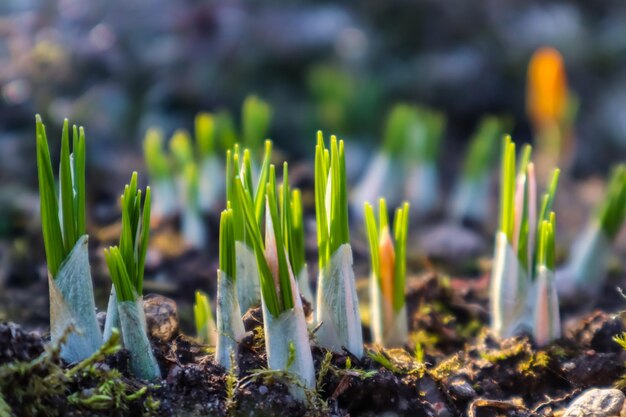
[211,167]
[126,267]
[161,174]
[422,148]
[230,328]
[518,251]
[384,175]
[584,274]
[255,120]
[206,332]
[471,194]
[388,277]
[65,241]
[337,304]
[193,228]
[291,221]
[248,284]
[286,334]
[406,166]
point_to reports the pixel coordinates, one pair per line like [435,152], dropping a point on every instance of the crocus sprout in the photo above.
[255,120]
[161,174]
[422,148]
[65,241]
[193,228]
[384,175]
[286,334]
[248,284]
[126,267]
[181,149]
[337,303]
[550,105]
[291,220]
[517,245]
[211,168]
[472,189]
[230,328]
[388,277]
[206,332]
[586,269]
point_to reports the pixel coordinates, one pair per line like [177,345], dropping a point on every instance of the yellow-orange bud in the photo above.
[387,263]
[546,87]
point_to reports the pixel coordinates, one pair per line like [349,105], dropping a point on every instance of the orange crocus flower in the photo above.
[547,91]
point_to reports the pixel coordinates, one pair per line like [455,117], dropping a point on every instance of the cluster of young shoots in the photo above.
[197,169]
[523,293]
[406,165]
[388,277]
[583,275]
[65,240]
[62,212]
[472,188]
[126,267]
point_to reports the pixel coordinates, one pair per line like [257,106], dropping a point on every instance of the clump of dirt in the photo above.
[16,345]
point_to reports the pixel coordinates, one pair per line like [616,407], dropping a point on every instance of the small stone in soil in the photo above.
[598,403]
[161,317]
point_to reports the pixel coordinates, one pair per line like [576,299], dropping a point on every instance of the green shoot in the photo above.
[181,149]
[225,130]
[205,134]
[156,158]
[507,190]
[242,172]
[203,316]
[61,228]
[275,304]
[331,206]
[192,185]
[126,262]
[388,256]
[483,146]
[227,255]
[398,125]
[546,246]
[612,211]
[425,136]
[255,120]
[291,221]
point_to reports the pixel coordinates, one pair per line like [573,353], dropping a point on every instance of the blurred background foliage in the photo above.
[119,67]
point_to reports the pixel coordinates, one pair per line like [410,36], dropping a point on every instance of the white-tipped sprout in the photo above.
[337,309]
[471,192]
[126,268]
[422,150]
[193,228]
[286,334]
[543,299]
[584,274]
[65,242]
[161,174]
[248,283]
[230,328]
[516,244]
[211,180]
[388,276]
[206,332]
[385,173]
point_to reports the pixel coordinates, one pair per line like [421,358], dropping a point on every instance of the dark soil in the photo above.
[457,369]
